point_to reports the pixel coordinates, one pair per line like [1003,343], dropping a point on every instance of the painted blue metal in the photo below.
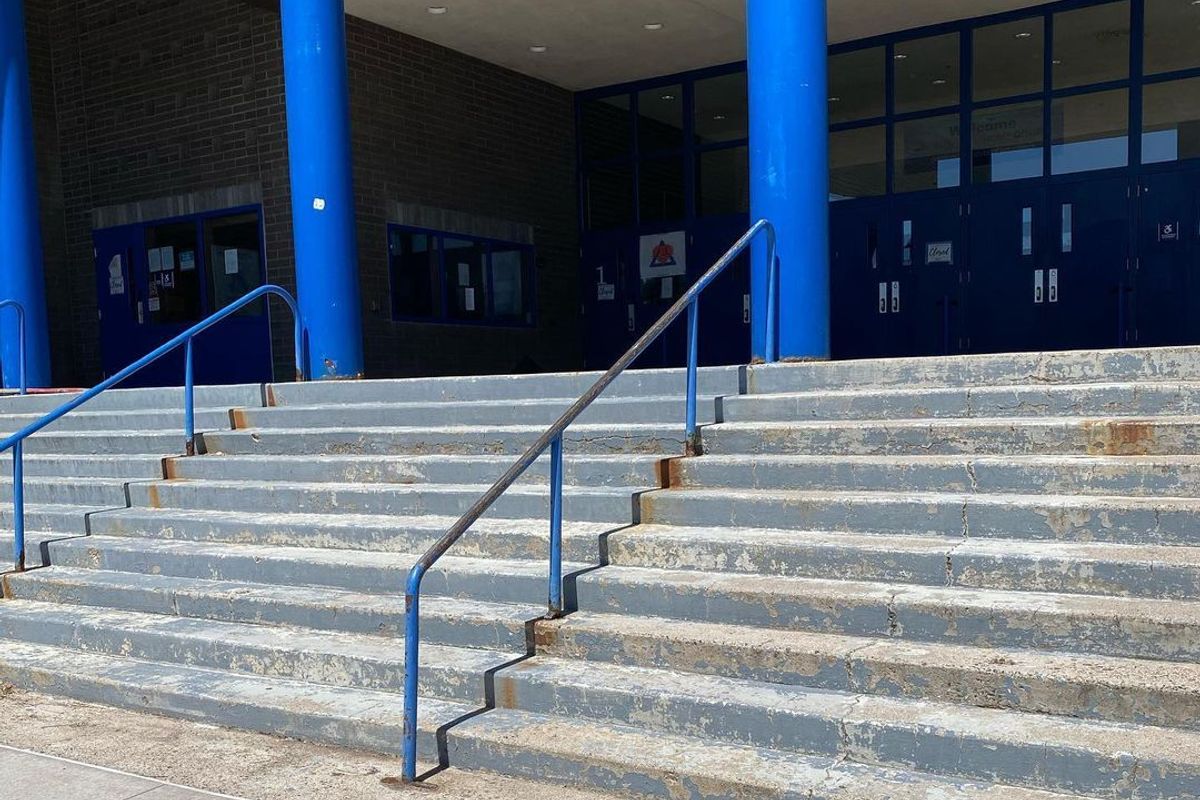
[550,439]
[22,345]
[14,441]
[693,359]
[789,169]
[556,505]
[189,400]
[318,117]
[21,279]
[18,458]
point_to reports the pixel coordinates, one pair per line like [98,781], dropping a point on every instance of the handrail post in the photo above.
[18,507]
[772,297]
[556,504]
[412,660]
[692,445]
[21,348]
[189,400]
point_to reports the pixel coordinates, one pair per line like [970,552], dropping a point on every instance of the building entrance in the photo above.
[157,279]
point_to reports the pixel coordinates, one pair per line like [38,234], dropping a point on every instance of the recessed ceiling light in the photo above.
[939,81]
[1058,61]
[538,48]
[719,117]
[436,10]
[668,97]
[835,99]
[1023,35]
[653,26]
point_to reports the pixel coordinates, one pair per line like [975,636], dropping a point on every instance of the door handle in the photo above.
[1039,286]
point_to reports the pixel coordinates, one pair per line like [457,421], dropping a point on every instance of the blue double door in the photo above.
[621,301]
[1022,267]
[155,280]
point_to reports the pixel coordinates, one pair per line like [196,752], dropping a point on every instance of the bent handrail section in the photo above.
[15,441]
[21,341]
[552,439]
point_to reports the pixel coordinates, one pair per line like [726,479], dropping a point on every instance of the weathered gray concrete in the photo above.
[942,579]
[33,776]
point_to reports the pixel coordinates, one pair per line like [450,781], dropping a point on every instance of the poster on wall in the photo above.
[663,255]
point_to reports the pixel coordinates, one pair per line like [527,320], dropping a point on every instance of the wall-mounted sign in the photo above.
[116,276]
[939,253]
[606,291]
[663,255]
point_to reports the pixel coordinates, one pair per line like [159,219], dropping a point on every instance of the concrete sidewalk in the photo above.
[31,776]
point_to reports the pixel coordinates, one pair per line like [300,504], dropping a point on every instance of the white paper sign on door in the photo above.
[663,255]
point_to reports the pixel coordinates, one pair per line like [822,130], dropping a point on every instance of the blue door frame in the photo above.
[127,332]
[1130,306]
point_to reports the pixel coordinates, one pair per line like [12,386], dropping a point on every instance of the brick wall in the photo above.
[150,98]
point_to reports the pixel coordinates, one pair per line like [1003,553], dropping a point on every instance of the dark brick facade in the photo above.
[141,99]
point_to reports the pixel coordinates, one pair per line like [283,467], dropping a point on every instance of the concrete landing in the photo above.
[33,776]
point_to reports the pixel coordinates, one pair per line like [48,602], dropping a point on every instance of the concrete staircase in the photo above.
[948,579]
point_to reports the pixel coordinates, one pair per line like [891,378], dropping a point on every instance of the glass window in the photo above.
[1091,45]
[927,74]
[233,245]
[858,163]
[661,190]
[723,181]
[1172,35]
[1171,121]
[607,128]
[1010,59]
[1008,142]
[857,85]
[722,109]
[1090,131]
[414,268]
[174,278]
[466,281]
[512,269]
[610,197]
[660,119]
[927,154]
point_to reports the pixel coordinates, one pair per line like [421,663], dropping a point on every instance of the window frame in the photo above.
[442,315]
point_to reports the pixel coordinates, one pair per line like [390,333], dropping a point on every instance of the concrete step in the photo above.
[60,519]
[91,492]
[1118,626]
[632,439]
[1011,436]
[634,761]
[155,443]
[588,504]
[1041,752]
[169,398]
[1066,518]
[335,715]
[1139,476]
[586,470]
[328,658]
[488,580]
[126,467]
[529,411]
[444,620]
[633,383]
[165,421]
[1097,687]
[1009,564]
[1030,400]
[1151,365]
[487,538]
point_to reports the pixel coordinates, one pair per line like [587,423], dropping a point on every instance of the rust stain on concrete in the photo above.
[1120,438]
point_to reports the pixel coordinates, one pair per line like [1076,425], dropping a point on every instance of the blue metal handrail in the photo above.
[16,440]
[20,340]
[553,439]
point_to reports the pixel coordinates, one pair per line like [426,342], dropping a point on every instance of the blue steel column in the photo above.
[789,170]
[21,276]
[318,117]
